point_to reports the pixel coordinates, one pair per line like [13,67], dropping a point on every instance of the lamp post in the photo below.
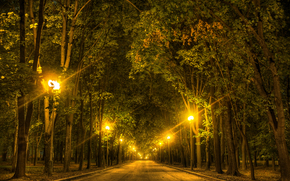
[107,129]
[168,138]
[160,153]
[190,118]
[54,87]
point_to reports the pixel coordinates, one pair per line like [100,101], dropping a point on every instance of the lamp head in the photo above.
[53,84]
[190,118]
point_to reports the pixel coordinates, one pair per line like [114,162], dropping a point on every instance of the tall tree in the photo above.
[24,121]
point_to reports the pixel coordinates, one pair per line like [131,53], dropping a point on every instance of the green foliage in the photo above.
[144,66]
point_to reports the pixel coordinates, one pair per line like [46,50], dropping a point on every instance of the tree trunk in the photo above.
[183,160]
[15,146]
[237,156]
[35,150]
[267,162]
[207,148]
[198,143]
[217,144]
[100,115]
[48,135]
[67,151]
[255,157]
[198,152]
[244,151]
[47,161]
[112,151]
[222,142]
[77,145]
[100,154]
[61,152]
[22,142]
[191,145]
[64,34]
[278,126]
[119,153]
[91,132]
[38,36]
[232,169]
[20,168]
[23,123]
[273,163]
[71,35]
[187,149]
[96,149]
[83,133]
[4,152]
[216,139]
[37,141]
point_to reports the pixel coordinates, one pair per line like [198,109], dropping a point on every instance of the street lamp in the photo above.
[168,138]
[107,129]
[49,122]
[54,85]
[190,118]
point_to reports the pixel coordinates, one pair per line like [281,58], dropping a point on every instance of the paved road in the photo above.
[142,171]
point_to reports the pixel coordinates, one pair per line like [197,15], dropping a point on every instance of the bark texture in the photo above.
[232,168]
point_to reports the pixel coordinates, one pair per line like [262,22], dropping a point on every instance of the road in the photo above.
[142,171]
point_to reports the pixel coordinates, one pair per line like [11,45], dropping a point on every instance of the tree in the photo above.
[24,122]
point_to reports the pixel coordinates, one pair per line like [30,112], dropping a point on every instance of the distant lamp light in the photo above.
[39,70]
[168,137]
[107,128]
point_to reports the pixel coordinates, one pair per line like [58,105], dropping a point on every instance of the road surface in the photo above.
[146,170]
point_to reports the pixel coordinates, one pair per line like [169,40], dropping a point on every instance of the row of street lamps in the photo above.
[190,119]
[55,86]
[121,140]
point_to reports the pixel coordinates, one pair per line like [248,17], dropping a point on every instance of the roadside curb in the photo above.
[90,173]
[193,173]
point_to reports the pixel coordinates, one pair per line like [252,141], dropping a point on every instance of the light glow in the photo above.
[107,128]
[53,84]
[190,118]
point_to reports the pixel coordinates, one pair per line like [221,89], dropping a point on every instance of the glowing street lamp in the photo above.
[54,85]
[190,118]
[49,119]
[107,129]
